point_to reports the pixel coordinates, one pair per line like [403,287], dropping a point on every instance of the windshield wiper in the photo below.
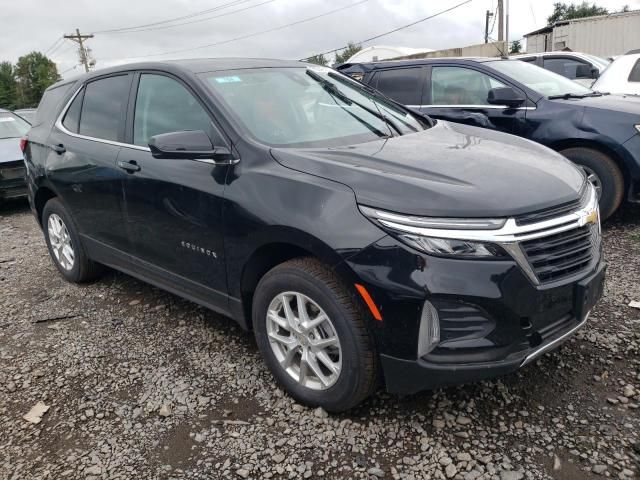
[332,89]
[567,96]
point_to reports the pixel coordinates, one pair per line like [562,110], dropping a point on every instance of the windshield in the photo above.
[308,107]
[538,79]
[12,126]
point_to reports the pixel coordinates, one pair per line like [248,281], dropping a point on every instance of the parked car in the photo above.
[579,67]
[357,240]
[622,76]
[12,182]
[27,114]
[601,133]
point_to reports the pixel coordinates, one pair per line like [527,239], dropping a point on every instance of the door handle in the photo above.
[59,148]
[130,166]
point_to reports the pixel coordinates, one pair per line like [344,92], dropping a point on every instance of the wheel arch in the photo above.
[600,147]
[40,199]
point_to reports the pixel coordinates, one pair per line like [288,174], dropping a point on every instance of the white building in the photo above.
[604,36]
[383,52]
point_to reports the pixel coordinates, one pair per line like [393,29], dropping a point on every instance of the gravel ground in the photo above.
[142,384]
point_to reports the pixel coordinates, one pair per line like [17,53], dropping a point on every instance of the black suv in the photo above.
[597,131]
[359,241]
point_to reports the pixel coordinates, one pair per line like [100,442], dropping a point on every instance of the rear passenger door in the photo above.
[174,207]
[460,93]
[82,163]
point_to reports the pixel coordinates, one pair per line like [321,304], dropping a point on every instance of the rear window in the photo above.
[403,85]
[50,104]
[634,76]
[103,107]
[12,126]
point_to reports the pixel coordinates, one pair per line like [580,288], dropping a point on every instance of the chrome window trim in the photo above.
[509,236]
[59,125]
[486,107]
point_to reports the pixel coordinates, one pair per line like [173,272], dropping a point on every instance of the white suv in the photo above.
[579,67]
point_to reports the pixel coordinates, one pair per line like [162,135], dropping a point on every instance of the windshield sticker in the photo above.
[233,79]
[319,69]
[7,119]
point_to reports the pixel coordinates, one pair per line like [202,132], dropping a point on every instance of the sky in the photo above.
[39,25]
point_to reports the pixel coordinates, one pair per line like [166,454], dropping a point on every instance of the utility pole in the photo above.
[486,26]
[82,51]
[507,29]
[500,20]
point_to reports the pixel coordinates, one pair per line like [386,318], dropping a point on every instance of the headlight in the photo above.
[442,239]
[638,127]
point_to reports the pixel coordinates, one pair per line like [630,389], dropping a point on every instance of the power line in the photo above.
[54,45]
[394,30]
[262,32]
[162,27]
[175,19]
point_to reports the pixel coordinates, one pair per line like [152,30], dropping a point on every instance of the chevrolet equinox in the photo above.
[361,242]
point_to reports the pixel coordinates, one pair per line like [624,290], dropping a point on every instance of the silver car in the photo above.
[12,181]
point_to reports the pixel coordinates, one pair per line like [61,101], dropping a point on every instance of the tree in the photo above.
[8,86]
[563,11]
[516,47]
[34,73]
[349,51]
[318,60]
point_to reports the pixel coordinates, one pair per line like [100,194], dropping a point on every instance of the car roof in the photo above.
[419,61]
[197,65]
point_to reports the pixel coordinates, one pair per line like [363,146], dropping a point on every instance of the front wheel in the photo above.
[311,332]
[603,174]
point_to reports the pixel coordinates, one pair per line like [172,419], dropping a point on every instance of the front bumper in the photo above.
[493,319]
[12,180]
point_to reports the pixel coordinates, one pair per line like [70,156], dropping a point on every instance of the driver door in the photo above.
[459,94]
[174,207]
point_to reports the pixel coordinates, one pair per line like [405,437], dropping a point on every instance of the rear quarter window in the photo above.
[634,76]
[50,104]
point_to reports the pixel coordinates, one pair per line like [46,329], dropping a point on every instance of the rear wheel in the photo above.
[64,244]
[604,175]
[311,332]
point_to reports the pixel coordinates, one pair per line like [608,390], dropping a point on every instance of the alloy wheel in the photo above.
[594,179]
[60,241]
[304,340]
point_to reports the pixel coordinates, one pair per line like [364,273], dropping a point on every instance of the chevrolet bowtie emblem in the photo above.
[590,217]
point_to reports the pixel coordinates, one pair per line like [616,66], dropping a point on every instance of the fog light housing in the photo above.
[429,334]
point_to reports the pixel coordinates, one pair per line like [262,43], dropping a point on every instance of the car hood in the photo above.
[10,150]
[449,170]
[618,103]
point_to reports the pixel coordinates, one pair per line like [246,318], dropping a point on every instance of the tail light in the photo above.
[23,144]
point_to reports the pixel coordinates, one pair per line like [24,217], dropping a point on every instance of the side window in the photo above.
[634,76]
[461,86]
[163,105]
[72,117]
[103,105]
[404,85]
[567,67]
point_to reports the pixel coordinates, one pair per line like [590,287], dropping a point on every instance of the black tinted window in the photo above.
[49,106]
[104,101]
[567,67]
[72,117]
[163,105]
[634,76]
[403,85]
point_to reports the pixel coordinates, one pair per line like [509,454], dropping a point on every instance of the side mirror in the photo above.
[585,71]
[505,96]
[595,73]
[187,145]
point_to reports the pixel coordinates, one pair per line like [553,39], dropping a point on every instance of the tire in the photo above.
[606,171]
[314,281]
[75,267]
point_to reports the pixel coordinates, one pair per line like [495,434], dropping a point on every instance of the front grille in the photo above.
[564,254]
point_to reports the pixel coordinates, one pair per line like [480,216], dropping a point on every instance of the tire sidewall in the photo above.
[55,206]
[608,173]
[290,279]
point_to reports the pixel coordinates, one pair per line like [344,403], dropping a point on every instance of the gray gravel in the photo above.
[142,384]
